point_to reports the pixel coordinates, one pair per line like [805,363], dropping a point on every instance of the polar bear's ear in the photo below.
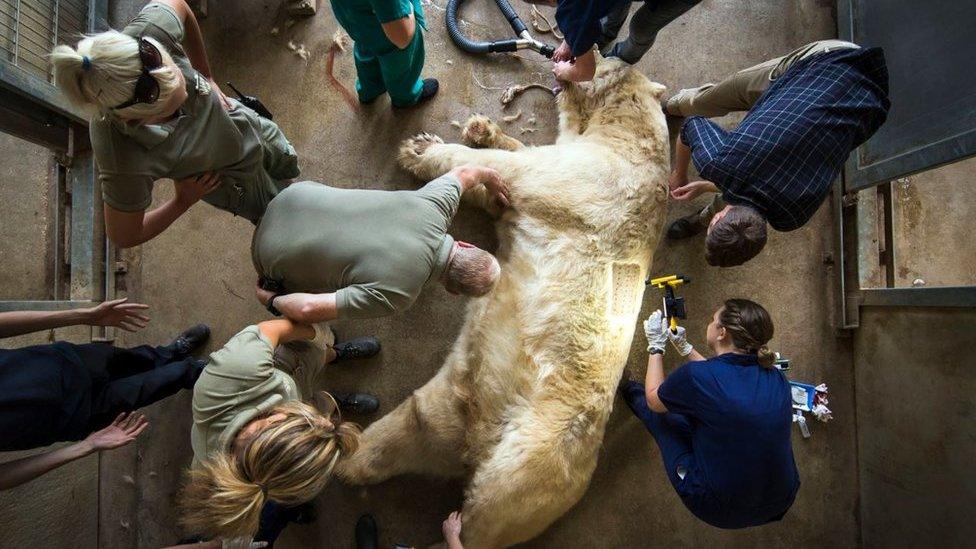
[657,90]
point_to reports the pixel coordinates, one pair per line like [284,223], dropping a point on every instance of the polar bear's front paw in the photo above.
[413,149]
[479,132]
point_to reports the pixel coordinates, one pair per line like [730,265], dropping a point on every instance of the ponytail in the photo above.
[766,357]
[289,461]
[750,328]
[102,72]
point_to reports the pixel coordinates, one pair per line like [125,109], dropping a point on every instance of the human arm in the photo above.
[284,330]
[581,70]
[120,432]
[193,44]
[656,330]
[451,528]
[680,341]
[118,313]
[127,229]
[301,307]
[400,31]
[471,176]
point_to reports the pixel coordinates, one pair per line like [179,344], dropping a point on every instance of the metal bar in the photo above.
[16,32]
[947,296]
[54,35]
[6,306]
[82,176]
[887,214]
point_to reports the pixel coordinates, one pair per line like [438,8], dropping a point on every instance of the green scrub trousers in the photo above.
[380,65]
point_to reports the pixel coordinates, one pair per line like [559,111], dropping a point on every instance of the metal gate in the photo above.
[932,122]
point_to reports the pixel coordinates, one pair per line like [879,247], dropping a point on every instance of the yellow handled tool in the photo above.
[673,305]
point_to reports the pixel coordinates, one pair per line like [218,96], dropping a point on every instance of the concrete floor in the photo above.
[200,270]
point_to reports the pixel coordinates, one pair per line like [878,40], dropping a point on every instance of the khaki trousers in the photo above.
[740,91]
[305,361]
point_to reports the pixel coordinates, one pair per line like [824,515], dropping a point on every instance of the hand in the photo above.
[691,190]
[495,186]
[264,296]
[122,431]
[656,331]
[224,102]
[118,313]
[192,189]
[452,527]
[677,180]
[680,341]
[562,53]
[563,71]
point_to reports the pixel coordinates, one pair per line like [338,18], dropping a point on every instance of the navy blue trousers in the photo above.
[673,434]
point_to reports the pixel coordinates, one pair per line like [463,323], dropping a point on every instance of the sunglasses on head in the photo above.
[147,87]
[327,405]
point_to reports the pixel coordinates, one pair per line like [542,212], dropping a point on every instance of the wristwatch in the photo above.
[653,351]
[271,308]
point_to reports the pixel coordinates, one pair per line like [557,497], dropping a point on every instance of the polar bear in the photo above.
[520,405]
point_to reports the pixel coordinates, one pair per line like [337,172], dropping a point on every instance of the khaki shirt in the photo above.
[240,382]
[375,249]
[249,152]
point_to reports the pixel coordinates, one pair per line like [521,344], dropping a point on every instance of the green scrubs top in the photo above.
[250,152]
[381,67]
[248,377]
[375,249]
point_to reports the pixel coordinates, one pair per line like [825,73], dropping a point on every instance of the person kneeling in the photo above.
[722,424]
[260,450]
[324,253]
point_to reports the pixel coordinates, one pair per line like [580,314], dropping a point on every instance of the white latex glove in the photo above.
[680,341]
[656,332]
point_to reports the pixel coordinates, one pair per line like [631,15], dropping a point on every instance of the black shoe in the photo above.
[190,340]
[361,347]
[366,534]
[685,227]
[431,85]
[357,403]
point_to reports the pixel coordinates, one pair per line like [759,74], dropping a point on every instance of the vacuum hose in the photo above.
[512,44]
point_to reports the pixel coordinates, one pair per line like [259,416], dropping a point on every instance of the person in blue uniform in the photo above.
[722,424]
[586,23]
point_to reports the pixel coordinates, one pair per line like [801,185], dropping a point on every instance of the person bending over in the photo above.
[806,110]
[324,253]
[260,449]
[722,424]
[586,23]
[68,392]
[158,113]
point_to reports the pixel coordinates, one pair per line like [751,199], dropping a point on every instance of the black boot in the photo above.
[361,347]
[686,227]
[366,534]
[189,341]
[431,85]
[357,403]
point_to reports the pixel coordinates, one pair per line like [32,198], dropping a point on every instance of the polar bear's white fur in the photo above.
[520,406]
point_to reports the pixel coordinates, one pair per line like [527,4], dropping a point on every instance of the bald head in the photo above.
[471,271]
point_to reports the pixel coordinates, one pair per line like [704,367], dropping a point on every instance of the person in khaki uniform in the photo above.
[157,113]
[807,111]
[260,451]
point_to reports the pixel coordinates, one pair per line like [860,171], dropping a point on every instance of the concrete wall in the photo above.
[59,509]
[916,427]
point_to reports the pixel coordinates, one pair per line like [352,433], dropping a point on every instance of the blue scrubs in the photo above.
[725,439]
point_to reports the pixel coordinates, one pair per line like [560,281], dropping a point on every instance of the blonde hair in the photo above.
[108,77]
[289,462]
